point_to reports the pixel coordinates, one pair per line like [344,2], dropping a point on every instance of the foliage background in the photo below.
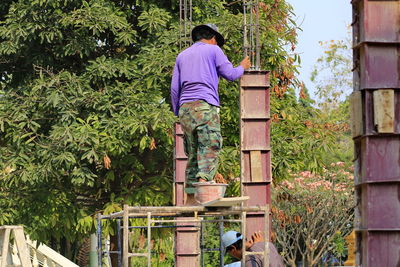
[85,120]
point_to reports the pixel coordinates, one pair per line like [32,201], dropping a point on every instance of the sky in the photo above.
[320,20]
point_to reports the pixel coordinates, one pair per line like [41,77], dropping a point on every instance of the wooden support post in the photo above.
[22,247]
[125,231]
[19,242]
[244,218]
[148,239]
[5,238]
[266,237]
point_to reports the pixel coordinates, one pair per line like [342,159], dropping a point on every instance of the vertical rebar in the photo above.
[245,44]
[190,17]
[185,22]
[257,26]
[251,32]
[180,24]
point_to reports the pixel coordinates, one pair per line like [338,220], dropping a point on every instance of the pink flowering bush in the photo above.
[310,211]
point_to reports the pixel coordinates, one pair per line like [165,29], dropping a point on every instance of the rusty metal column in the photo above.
[375,110]
[255,155]
[187,239]
[180,160]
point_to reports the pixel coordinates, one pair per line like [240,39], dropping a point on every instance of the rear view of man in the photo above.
[195,99]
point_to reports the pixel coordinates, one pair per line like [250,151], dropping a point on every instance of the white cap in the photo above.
[230,238]
[235,264]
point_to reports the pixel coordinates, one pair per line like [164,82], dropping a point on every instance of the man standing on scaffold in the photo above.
[195,99]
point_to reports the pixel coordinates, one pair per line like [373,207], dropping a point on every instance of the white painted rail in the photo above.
[45,256]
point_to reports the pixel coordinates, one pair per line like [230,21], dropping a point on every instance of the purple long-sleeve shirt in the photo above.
[196,74]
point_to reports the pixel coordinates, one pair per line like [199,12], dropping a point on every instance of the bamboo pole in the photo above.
[181,210]
[125,252]
[244,253]
[266,237]
[148,239]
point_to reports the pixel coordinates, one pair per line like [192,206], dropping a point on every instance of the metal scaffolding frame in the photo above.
[157,216]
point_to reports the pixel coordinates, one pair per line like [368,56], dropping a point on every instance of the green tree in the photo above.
[83,125]
[85,119]
[333,79]
[312,214]
[332,74]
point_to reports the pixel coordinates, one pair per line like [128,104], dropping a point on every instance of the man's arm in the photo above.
[225,67]
[256,243]
[175,89]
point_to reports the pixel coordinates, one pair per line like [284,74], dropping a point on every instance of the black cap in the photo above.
[214,29]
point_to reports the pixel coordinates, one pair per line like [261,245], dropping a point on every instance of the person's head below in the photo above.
[208,33]
[233,244]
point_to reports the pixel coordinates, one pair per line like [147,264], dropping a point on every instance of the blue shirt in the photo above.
[196,74]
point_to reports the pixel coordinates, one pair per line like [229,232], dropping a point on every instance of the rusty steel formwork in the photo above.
[255,151]
[186,254]
[375,110]
[180,161]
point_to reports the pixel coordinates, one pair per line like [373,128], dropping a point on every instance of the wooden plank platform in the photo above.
[226,202]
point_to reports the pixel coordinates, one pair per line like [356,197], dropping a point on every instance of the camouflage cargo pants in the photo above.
[202,141]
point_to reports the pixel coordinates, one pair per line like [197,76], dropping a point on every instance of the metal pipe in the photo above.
[99,240]
[125,248]
[162,226]
[202,243]
[119,243]
[221,233]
